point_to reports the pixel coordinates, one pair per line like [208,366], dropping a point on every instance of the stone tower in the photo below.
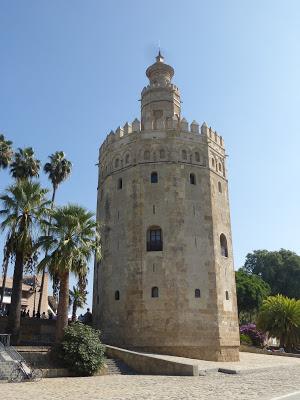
[166,281]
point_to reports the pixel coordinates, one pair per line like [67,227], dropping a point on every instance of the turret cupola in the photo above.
[161,98]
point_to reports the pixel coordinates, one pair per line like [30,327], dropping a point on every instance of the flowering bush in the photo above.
[256,336]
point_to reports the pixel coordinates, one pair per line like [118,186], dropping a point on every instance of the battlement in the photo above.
[170,124]
[158,85]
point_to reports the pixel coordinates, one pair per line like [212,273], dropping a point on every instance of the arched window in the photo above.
[154,239]
[220,187]
[162,153]
[154,177]
[117,295]
[120,183]
[227,295]
[223,244]
[192,179]
[197,156]
[127,159]
[213,162]
[220,167]
[147,155]
[184,155]
[154,291]
[197,293]
[116,163]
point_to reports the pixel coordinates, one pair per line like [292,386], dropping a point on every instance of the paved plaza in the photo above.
[281,376]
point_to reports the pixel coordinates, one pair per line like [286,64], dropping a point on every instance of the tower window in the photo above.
[192,179]
[154,291]
[220,167]
[154,239]
[197,293]
[154,177]
[117,163]
[213,162]
[127,159]
[184,155]
[117,295]
[220,187]
[147,155]
[120,183]
[223,245]
[162,153]
[227,295]
[197,156]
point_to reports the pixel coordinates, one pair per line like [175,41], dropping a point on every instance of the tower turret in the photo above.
[160,99]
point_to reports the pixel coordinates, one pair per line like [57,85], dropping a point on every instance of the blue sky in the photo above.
[71,71]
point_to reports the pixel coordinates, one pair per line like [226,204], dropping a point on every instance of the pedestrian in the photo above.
[88,317]
[44,316]
[81,318]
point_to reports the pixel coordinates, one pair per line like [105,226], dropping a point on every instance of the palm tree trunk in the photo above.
[74,310]
[44,269]
[5,267]
[14,317]
[63,305]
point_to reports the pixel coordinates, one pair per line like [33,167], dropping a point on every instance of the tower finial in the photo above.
[159,57]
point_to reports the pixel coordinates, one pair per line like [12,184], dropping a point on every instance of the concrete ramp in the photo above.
[150,364]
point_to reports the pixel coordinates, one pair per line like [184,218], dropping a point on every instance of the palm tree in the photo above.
[73,240]
[78,300]
[6,152]
[280,316]
[58,170]
[25,165]
[24,207]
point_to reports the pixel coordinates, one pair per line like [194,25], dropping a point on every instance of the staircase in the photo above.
[8,357]
[118,367]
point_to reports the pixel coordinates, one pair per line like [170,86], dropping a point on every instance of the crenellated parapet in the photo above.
[181,127]
[158,85]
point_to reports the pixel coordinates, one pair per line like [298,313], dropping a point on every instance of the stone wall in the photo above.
[33,331]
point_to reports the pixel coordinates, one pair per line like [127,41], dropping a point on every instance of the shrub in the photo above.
[245,339]
[280,316]
[257,337]
[81,350]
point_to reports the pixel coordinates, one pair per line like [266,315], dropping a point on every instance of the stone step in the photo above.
[118,367]
[6,368]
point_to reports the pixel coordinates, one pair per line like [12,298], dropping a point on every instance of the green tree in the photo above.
[25,165]
[24,207]
[58,170]
[6,152]
[280,316]
[280,269]
[78,300]
[251,291]
[73,240]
